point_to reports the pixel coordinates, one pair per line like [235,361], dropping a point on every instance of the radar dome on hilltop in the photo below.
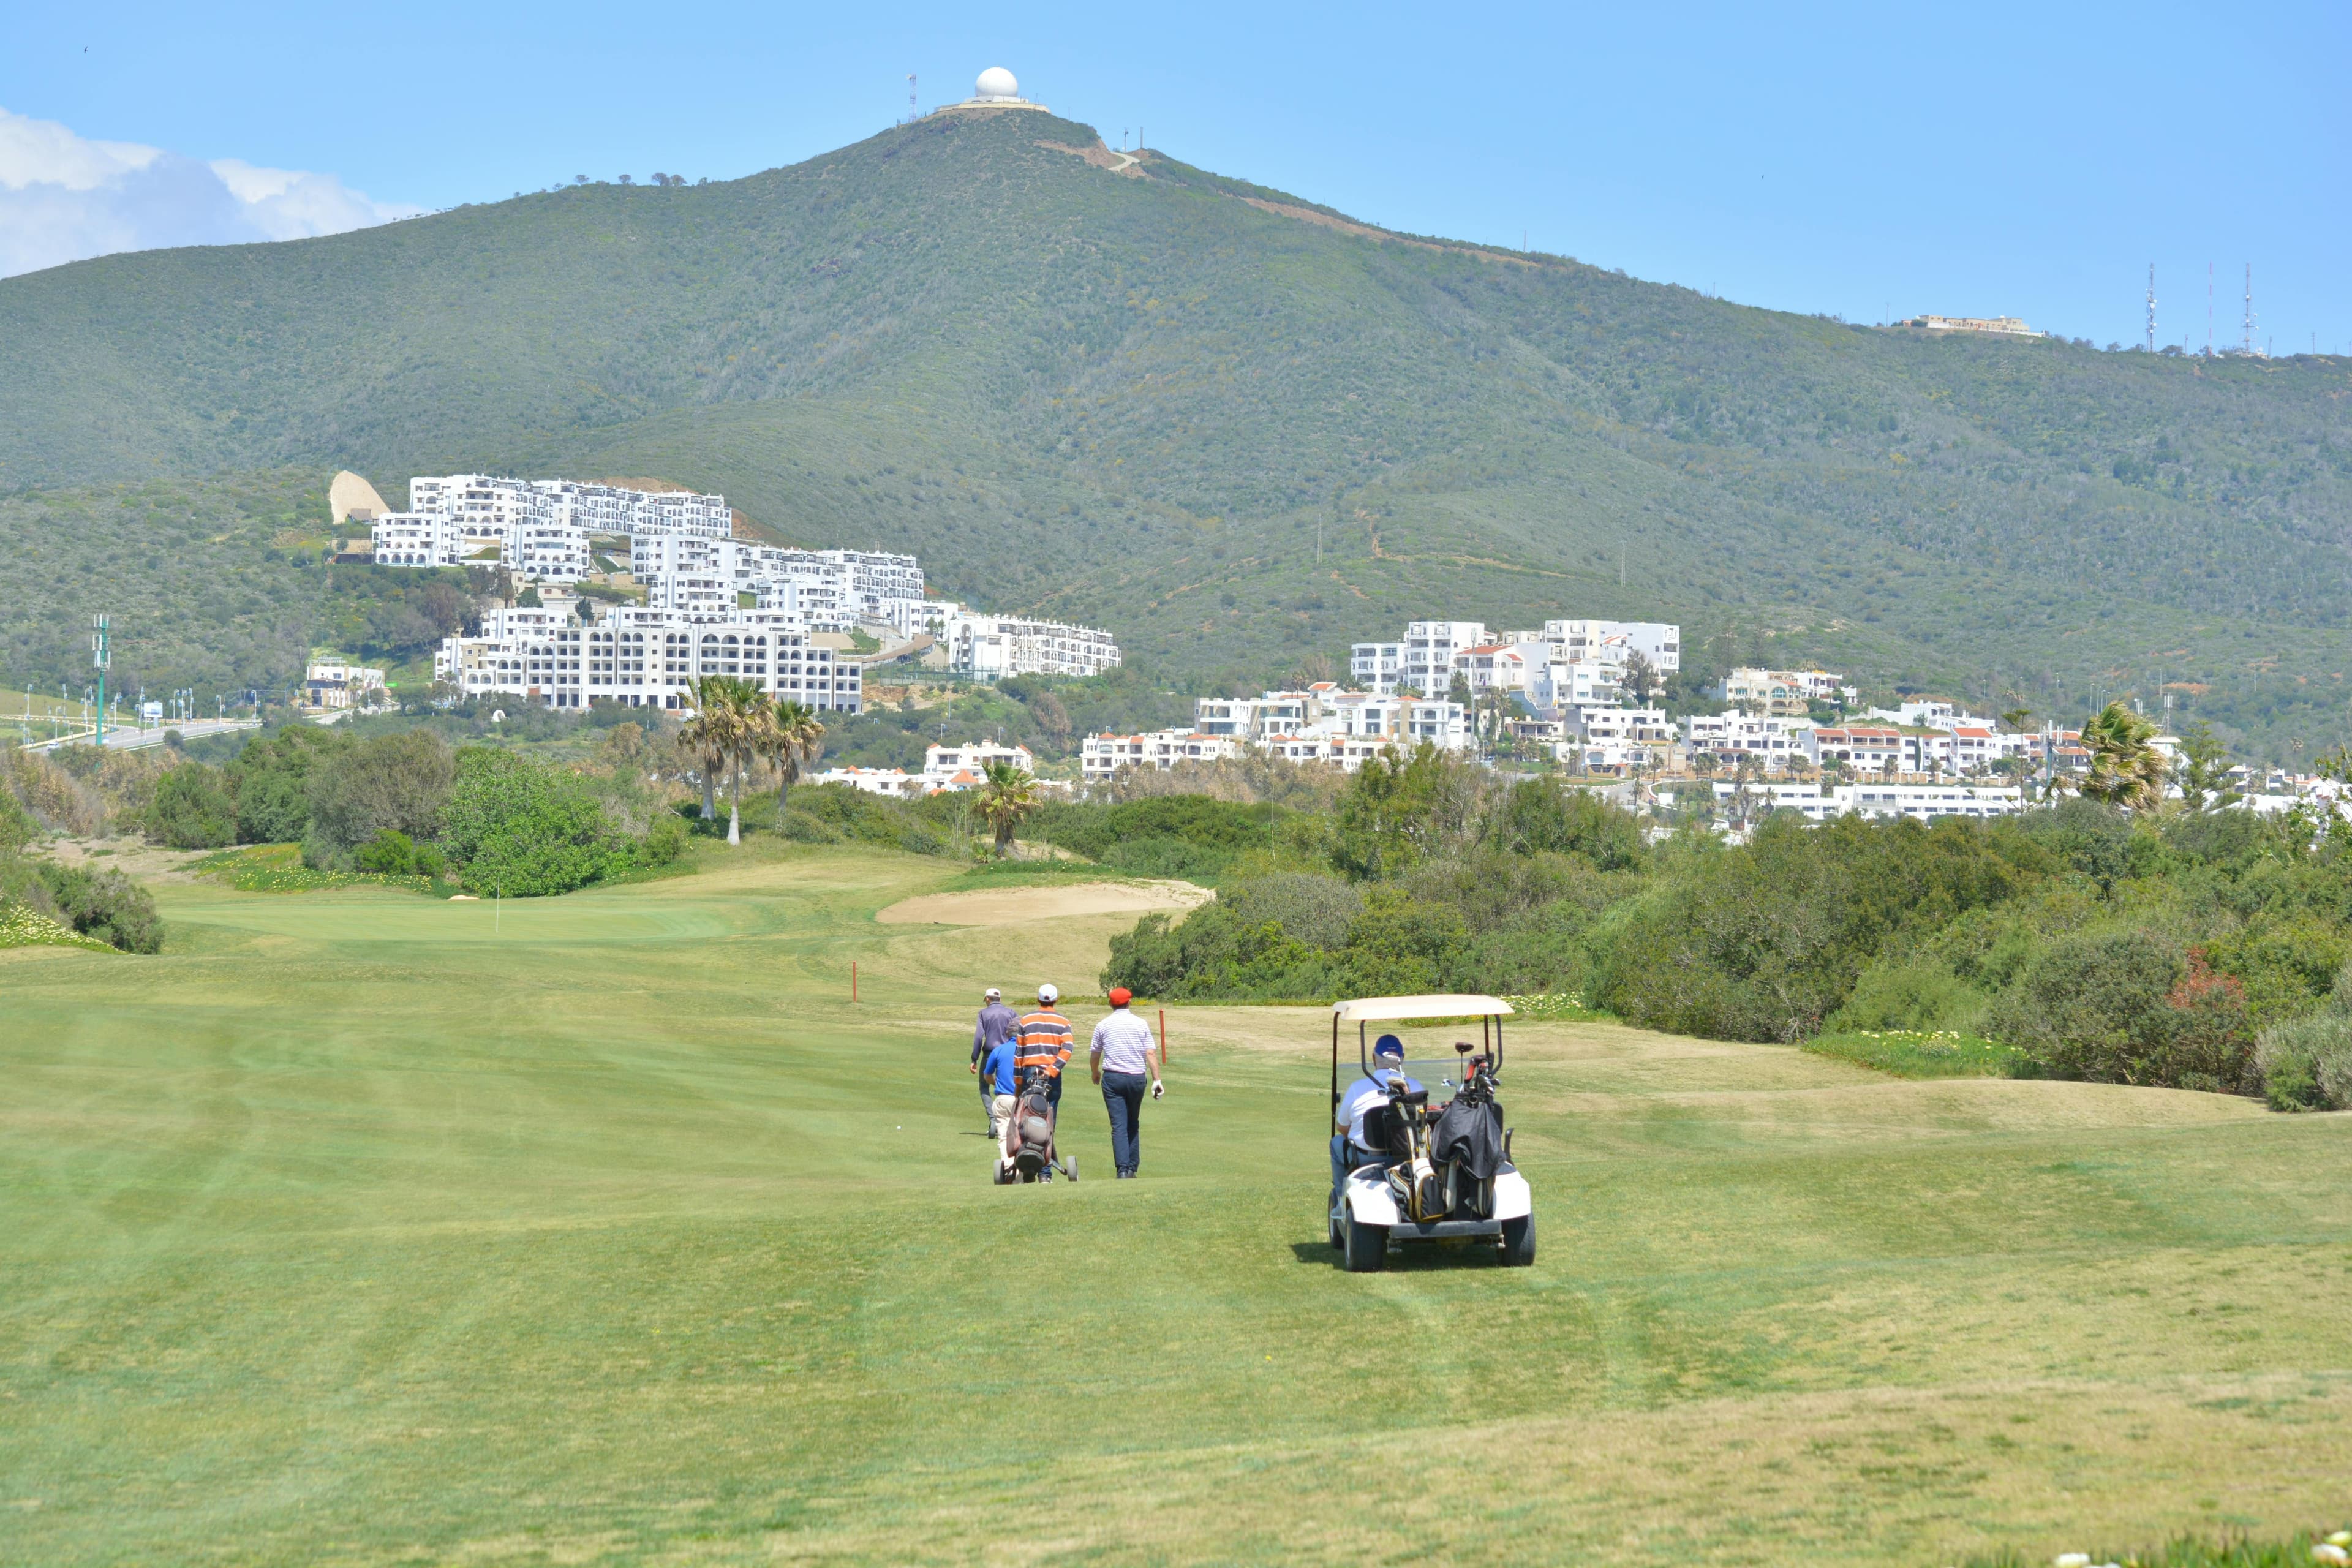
[996,82]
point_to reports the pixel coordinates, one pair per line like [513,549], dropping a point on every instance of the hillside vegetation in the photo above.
[1237,435]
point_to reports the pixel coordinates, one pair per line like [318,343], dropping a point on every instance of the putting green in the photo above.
[360,1227]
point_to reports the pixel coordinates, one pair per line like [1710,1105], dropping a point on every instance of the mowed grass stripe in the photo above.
[328,1246]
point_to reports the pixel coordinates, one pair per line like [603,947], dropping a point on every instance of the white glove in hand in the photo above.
[1156,1089]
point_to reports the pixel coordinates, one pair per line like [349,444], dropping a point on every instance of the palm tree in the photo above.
[794,736]
[1007,795]
[2125,771]
[729,719]
[750,719]
[706,738]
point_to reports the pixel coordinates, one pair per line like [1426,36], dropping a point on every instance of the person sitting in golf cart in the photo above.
[1349,1146]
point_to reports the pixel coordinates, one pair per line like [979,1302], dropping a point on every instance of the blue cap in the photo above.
[1389,1046]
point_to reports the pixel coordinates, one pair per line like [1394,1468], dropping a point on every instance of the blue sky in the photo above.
[1978,160]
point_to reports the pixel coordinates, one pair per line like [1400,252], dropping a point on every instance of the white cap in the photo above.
[992,994]
[1047,995]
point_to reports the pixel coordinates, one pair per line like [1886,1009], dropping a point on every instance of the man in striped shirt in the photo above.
[1045,1044]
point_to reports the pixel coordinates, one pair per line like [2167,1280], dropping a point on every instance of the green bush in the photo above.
[519,828]
[1315,910]
[270,779]
[192,809]
[2129,1007]
[397,782]
[392,853]
[1914,993]
[2305,1064]
[104,904]
[665,841]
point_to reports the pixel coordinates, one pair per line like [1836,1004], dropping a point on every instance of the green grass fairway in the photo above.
[367,1228]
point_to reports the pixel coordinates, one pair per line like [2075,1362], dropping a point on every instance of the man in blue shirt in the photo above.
[997,1024]
[996,1082]
[1348,1149]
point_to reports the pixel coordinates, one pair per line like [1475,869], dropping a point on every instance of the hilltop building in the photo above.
[1996,326]
[694,572]
[996,89]
[641,658]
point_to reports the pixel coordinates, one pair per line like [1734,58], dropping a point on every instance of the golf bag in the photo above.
[1033,1127]
[1466,1145]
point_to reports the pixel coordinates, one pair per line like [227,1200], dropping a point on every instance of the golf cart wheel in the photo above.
[1070,1167]
[1339,1239]
[1366,1247]
[1518,1242]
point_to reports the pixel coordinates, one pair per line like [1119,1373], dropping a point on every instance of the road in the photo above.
[132,738]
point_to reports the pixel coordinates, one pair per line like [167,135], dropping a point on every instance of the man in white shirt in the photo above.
[1348,1148]
[1121,1063]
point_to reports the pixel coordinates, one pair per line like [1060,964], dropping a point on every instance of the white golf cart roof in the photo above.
[1384,1009]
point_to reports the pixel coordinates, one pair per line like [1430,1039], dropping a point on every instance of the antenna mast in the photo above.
[2151,307]
[2250,307]
[101,656]
[913,112]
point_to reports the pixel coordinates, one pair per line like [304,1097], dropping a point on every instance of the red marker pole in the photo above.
[1163,1039]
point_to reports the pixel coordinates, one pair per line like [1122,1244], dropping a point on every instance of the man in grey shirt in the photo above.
[998,1024]
[1121,1060]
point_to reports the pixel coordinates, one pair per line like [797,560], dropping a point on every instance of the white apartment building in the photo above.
[592,509]
[1584,684]
[1783,693]
[1614,642]
[1503,666]
[1325,724]
[833,590]
[1735,737]
[1922,803]
[1422,662]
[1376,667]
[333,683]
[896,782]
[641,658]
[990,647]
[1099,756]
[966,766]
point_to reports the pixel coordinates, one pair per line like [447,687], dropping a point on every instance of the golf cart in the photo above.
[1442,1168]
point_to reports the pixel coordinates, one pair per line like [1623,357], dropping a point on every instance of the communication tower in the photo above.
[2151,307]
[100,656]
[2248,347]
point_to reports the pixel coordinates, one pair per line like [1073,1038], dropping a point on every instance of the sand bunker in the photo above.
[1014,906]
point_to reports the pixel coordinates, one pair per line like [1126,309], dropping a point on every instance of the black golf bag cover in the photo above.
[1469,1133]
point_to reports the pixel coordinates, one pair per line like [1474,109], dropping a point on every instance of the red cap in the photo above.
[1120,995]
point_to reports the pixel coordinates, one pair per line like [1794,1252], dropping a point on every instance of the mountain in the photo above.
[1236,426]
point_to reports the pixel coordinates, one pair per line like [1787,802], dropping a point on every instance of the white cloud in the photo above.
[64,198]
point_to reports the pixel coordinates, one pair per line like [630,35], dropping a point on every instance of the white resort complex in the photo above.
[713,602]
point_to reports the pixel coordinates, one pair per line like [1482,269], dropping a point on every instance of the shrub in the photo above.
[2127,1007]
[2305,1064]
[1401,945]
[397,783]
[519,827]
[192,809]
[1313,910]
[104,904]
[394,854]
[665,841]
[1911,994]
[270,779]
[1543,815]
